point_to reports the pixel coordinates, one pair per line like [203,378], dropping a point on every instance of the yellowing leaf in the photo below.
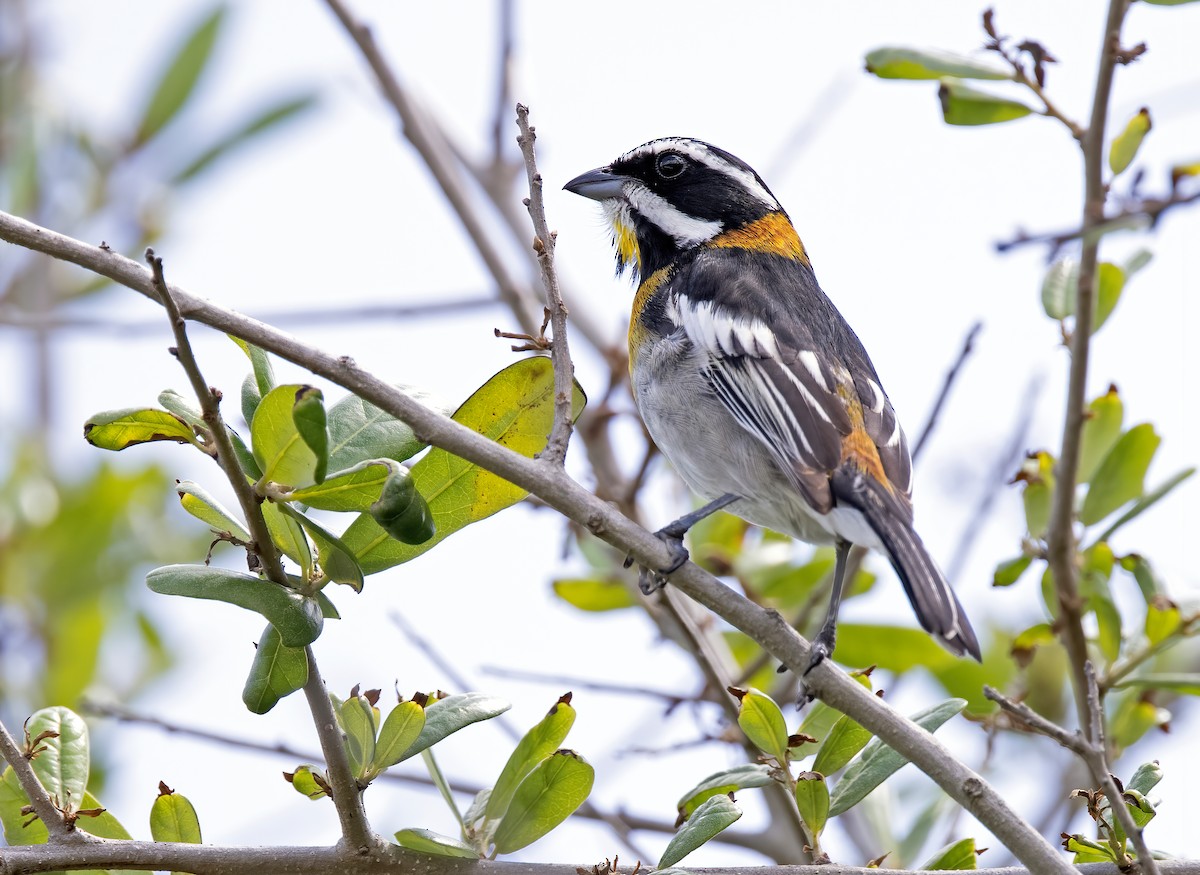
[963,105]
[1125,145]
[515,408]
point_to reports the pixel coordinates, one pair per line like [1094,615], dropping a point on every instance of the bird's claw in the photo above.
[651,580]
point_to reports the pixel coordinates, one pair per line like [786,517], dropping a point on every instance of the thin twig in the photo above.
[367,314]
[43,806]
[558,490]
[210,406]
[947,383]
[1098,762]
[347,797]
[1090,750]
[1145,212]
[441,164]
[1061,544]
[543,245]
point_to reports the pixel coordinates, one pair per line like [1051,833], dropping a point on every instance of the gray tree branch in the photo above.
[551,484]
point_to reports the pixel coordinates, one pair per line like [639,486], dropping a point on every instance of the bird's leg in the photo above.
[822,644]
[672,535]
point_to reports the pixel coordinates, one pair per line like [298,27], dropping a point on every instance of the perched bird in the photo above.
[749,379]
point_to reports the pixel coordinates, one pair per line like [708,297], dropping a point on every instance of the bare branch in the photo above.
[543,245]
[551,484]
[441,163]
[947,383]
[347,796]
[210,405]
[1060,538]
[43,806]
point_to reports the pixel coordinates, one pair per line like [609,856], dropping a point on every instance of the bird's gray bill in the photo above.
[599,184]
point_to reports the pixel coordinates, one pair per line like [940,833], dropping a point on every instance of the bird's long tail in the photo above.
[933,601]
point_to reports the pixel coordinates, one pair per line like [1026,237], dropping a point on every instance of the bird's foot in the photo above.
[650,580]
[819,651]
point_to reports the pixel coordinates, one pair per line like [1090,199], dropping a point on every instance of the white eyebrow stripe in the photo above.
[685,230]
[699,152]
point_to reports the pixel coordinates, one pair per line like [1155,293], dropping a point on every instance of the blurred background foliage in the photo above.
[75,544]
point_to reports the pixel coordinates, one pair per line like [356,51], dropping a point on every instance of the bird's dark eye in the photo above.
[669,165]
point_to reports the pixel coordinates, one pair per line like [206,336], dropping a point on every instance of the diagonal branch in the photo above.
[551,484]
[41,803]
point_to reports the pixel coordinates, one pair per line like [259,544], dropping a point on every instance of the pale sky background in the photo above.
[899,214]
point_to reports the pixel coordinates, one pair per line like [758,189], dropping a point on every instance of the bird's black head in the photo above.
[673,194]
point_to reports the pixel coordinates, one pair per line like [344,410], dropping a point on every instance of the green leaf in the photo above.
[260,362]
[245,458]
[812,800]
[308,415]
[402,511]
[1101,429]
[250,397]
[297,618]
[1147,580]
[173,819]
[175,403]
[180,77]
[288,535]
[1184,683]
[762,722]
[63,759]
[209,511]
[357,719]
[956,856]
[1121,475]
[1037,473]
[1162,620]
[266,119]
[515,408]
[277,671]
[843,743]
[878,762]
[278,448]
[446,716]
[359,432]
[1125,145]
[723,783]
[538,743]
[308,781]
[963,105]
[1009,572]
[13,819]
[120,429]
[895,62]
[1148,500]
[337,562]
[428,842]
[1059,288]
[548,796]
[1087,850]
[354,489]
[401,728]
[589,594]
[714,816]
[1140,808]
[1133,718]
[1146,777]
[1110,282]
